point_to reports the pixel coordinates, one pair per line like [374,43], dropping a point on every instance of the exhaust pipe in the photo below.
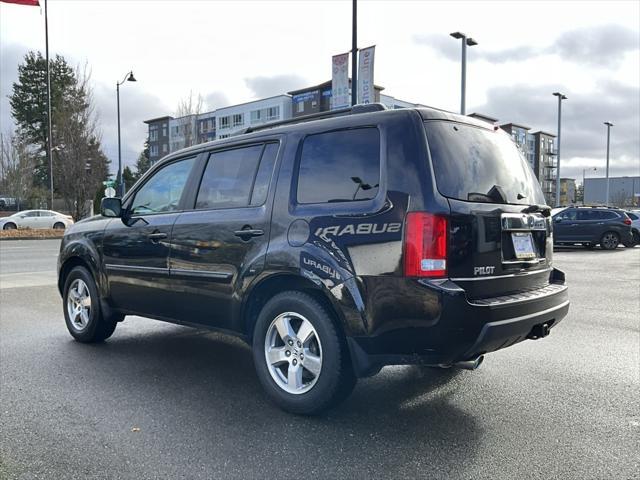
[470,364]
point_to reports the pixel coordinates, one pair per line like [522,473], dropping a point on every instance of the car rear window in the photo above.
[480,165]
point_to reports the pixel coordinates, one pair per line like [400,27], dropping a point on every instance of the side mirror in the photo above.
[557,219]
[111,207]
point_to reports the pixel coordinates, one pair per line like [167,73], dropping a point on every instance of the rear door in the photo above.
[219,246]
[499,234]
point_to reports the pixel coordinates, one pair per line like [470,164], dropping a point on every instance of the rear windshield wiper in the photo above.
[544,209]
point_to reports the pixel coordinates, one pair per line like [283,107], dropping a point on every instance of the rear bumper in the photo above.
[464,328]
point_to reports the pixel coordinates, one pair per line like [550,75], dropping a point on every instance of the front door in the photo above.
[136,247]
[220,246]
[564,226]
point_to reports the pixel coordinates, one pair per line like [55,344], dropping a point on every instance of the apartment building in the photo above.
[232,120]
[545,164]
[525,142]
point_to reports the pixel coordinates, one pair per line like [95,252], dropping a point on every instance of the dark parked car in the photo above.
[591,226]
[334,246]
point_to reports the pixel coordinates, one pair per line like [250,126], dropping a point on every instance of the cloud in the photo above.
[262,86]
[603,46]
[583,132]
[215,100]
[11,55]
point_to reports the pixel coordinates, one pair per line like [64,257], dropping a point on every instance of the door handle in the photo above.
[247,233]
[154,237]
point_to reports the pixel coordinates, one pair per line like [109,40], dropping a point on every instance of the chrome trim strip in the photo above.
[201,273]
[496,277]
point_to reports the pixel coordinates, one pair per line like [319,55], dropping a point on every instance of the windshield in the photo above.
[479,165]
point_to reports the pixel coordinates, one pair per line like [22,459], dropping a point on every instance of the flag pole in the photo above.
[49,128]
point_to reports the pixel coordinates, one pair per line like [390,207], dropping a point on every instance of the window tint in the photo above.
[33,213]
[340,166]
[608,215]
[480,165]
[263,177]
[162,192]
[228,178]
[632,216]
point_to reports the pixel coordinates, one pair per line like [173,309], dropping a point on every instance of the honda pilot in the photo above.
[333,244]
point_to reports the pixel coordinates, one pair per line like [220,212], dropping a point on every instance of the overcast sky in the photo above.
[235,51]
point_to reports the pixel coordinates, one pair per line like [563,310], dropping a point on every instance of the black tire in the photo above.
[610,241]
[335,380]
[58,226]
[99,327]
[635,239]
[9,226]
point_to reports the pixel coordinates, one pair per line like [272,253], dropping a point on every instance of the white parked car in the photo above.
[36,219]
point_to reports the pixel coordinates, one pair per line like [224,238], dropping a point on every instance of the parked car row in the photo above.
[591,226]
[36,219]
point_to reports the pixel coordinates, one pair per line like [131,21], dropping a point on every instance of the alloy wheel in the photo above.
[610,241]
[79,305]
[293,353]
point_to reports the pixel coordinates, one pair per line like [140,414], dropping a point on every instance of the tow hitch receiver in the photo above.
[539,331]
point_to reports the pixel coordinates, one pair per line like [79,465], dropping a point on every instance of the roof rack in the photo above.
[363,108]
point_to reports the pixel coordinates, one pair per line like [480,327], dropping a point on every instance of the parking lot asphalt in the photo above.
[162,401]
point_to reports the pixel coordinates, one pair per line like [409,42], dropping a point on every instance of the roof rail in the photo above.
[363,108]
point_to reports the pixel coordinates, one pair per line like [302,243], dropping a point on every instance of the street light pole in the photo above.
[560,98]
[609,125]
[354,53]
[120,183]
[466,41]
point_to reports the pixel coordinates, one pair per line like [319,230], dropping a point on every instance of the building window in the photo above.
[238,119]
[164,131]
[273,113]
[224,135]
[256,116]
[153,150]
[153,135]
[324,175]
[224,122]
[165,148]
[300,107]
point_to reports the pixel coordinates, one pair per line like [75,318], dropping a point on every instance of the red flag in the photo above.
[33,3]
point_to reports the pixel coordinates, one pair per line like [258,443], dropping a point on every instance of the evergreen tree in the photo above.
[29,104]
[143,163]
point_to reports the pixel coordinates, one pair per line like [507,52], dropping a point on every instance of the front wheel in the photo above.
[82,313]
[610,241]
[9,226]
[58,226]
[301,358]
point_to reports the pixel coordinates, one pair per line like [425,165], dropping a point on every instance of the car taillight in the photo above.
[425,245]
[626,221]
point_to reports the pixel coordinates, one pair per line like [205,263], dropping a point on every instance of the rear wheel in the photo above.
[9,226]
[610,241]
[82,313]
[58,226]
[635,240]
[301,357]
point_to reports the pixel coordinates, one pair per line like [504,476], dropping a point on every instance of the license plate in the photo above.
[523,245]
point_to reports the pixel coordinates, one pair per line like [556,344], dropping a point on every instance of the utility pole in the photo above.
[354,53]
[49,121]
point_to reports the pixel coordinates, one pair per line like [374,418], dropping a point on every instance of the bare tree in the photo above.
[79,163]
[188,110]
[17,166]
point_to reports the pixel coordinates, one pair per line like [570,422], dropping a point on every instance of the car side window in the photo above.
[587,215]
[632,216]
[162,192]
[228,178]
[608,215]
[32,214]
[568,215]
[339,166]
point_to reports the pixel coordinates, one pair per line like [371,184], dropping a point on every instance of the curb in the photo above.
[29,238]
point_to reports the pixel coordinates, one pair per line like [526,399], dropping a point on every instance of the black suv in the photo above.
[591,226]
[334,246]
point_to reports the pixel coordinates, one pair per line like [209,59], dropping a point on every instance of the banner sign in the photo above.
[340,81]
[366,92]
